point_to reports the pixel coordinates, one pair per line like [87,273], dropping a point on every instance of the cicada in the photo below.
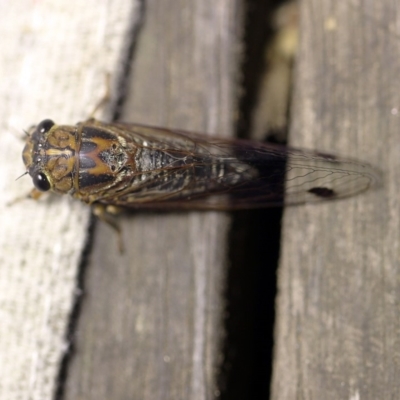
[136,166]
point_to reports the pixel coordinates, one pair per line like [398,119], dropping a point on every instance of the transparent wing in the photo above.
[198,172]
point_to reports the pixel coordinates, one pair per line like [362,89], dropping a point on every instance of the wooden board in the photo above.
[150,321]
[53,60]
[337,333]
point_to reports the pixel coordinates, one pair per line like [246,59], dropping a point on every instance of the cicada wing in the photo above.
[200,172]
[314,177]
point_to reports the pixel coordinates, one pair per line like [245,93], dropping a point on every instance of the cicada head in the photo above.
[49,156]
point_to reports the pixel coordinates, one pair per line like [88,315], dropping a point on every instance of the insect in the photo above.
[136,166]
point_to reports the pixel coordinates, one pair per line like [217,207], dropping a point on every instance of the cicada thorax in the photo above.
[104,158]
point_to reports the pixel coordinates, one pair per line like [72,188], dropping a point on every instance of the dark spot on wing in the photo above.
[324,192]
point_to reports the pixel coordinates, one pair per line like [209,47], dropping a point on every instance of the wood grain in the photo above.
[337,333]
[150,323]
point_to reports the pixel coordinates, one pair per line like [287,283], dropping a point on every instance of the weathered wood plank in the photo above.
[150,325]
[337,333]
[52,64]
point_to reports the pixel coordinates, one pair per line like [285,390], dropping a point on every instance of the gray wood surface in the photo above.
[150,320]
[337,333]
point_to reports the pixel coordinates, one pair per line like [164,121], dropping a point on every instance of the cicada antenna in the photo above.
[25,173]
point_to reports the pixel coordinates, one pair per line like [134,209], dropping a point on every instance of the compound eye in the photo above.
[41,182]
[45,126]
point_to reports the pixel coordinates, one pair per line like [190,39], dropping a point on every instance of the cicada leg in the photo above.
[105,214]
[33,194]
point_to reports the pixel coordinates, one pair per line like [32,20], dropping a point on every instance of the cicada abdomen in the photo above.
[136,166]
